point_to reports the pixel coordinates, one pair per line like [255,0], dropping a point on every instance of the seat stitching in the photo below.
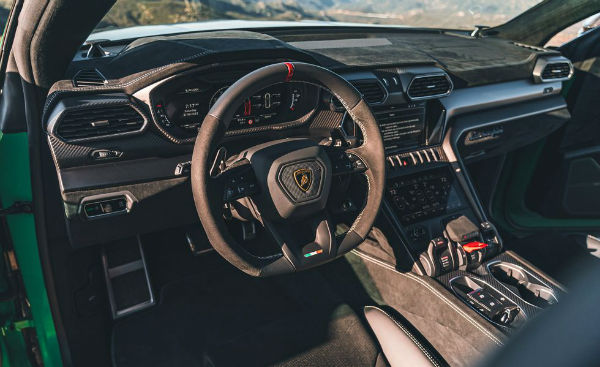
[437,294]
[411,337]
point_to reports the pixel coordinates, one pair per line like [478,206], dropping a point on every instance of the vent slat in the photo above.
[372,91]
[78,124]
[429,86]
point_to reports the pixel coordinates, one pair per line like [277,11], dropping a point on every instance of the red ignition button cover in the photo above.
[474,246]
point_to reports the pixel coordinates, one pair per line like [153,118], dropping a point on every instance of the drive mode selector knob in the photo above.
[439,257]
[506,315]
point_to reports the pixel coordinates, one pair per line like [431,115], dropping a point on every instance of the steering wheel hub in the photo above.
[302,180]
[294,176]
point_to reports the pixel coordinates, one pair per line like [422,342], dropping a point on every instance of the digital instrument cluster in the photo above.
[181,106]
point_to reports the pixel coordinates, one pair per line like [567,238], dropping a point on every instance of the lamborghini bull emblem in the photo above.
[303,178]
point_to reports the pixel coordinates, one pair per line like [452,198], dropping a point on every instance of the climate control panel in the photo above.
[421,196]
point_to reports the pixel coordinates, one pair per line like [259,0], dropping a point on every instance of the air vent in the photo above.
[556,70]
[372,91]
[552,69]
[429,86]
[88,78]
[99,122]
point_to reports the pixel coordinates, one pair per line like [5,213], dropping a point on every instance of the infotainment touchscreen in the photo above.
[401,126]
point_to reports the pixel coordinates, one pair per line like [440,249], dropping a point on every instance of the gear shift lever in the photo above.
[466,235]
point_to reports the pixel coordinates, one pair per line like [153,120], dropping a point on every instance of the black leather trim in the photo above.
[401,343]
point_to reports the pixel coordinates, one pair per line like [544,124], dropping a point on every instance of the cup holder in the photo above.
[524,284]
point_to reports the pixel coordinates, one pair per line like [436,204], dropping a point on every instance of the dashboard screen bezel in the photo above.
[213,79]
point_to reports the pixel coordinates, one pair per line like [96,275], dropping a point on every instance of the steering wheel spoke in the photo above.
[306,242]
[238,181]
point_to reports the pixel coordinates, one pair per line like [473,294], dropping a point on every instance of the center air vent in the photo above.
[97,122]
[552,69]
[429,86]
[372,91]
[88,78]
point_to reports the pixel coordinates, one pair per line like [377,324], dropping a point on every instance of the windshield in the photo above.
[452,14]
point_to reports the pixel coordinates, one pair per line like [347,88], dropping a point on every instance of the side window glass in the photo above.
[574,31]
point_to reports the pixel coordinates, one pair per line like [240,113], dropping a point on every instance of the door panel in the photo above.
[566,179]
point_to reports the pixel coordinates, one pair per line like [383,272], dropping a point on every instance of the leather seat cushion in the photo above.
[401,343]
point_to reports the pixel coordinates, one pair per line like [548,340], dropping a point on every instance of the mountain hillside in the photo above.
[425,13]
[421,13]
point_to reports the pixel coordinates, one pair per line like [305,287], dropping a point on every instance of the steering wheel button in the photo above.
[359,165]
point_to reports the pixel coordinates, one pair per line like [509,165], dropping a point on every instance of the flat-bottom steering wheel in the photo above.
[288,180]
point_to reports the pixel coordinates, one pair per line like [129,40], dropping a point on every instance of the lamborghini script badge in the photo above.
[303,178]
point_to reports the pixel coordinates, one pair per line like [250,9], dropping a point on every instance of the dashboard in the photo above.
[121,127]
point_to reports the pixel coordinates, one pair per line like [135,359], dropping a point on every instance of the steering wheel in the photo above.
[285,182]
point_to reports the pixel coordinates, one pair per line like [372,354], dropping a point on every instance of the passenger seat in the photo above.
[401,343]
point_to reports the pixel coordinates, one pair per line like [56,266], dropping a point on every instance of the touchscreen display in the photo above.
[402,127]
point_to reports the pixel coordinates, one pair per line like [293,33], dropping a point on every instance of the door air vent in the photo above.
[372,91]
[88,78]
[429,86]
[552,69]
[556,70]
[98,122]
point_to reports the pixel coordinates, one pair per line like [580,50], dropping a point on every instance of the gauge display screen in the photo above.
[182,108]
[260,108]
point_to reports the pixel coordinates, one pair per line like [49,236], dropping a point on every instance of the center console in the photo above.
[435,211]
[424,201]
